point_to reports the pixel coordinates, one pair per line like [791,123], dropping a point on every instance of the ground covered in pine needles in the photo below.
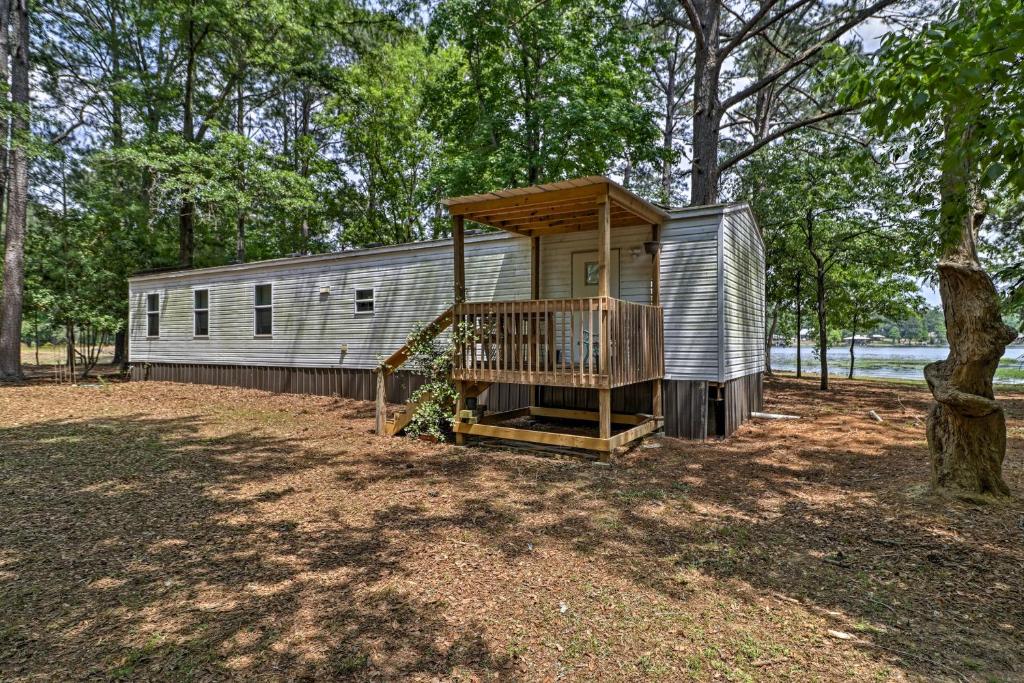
[161,531]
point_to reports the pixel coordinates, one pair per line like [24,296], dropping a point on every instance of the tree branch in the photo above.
[807,54]
[698,31]
[785,130]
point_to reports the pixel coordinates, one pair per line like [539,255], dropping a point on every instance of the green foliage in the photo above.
[432,357]
[387,149]
[542,92]
[863,297]
[828,196]
[224,176]
[950,97]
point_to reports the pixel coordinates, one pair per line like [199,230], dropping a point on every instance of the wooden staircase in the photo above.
[395,424]
[401,419]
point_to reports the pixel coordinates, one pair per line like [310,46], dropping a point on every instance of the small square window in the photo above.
[593,273]
[152,315]
[364,301]
[201,313]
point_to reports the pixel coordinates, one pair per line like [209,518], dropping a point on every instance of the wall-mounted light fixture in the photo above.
[325,290]
[636,252]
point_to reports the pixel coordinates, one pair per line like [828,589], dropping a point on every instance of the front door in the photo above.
[584,284]
[584,274]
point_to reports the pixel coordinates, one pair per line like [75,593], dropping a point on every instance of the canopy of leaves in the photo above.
[543,91]
[951,96]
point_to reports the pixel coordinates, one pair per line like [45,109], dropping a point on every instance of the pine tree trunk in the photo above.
[668,130]
[707,113]
[5,76]
[966,425]
[17,203]
[187,209]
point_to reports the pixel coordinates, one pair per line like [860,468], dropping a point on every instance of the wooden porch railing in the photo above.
[558,342]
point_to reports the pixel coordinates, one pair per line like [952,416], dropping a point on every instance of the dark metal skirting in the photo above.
[689,414]
[358,384]
[743,396]
[686,402]
[686,409]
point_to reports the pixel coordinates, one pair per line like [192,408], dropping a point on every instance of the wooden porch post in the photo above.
[657,409]
[535,294]
[459,243]
[604,240]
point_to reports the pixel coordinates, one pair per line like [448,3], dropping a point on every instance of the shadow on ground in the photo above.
[198,546]
[135,545]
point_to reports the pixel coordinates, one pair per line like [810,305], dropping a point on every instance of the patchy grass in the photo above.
[161,531]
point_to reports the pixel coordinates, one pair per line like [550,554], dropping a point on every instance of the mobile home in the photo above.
[587,300]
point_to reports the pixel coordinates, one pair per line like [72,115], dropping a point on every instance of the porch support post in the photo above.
[657,409]
[656,267]
[534,267]
[459,242]
[460,405]
[535,294]
[604,251]
[604,405]
[604,247]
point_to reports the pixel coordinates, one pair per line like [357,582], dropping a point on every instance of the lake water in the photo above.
[899,362]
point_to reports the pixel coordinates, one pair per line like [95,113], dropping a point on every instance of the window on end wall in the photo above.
[263,310]
[201,312]
[364,300]
[152,315]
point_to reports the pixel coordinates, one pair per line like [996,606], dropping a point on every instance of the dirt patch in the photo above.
[170,531]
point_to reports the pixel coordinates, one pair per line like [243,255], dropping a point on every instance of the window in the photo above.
[201,312]
[152,315]
[593,274]
[263,310]
[364,301]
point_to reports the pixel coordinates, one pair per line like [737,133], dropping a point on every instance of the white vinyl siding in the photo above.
[743,283]
[411,283]
[634,273]
[315,312]
[689,294]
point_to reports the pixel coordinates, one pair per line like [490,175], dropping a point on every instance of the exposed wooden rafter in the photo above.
[568,206]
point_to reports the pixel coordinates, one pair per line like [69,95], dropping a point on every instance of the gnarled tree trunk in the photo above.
[966,426]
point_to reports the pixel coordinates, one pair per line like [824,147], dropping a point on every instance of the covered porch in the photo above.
[597,342]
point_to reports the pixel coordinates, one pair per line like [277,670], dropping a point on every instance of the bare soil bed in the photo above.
[162,531]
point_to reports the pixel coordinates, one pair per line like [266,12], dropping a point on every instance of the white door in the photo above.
[584,274]
[584,284]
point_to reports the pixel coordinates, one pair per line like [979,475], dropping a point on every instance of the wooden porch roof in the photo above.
[567,206]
